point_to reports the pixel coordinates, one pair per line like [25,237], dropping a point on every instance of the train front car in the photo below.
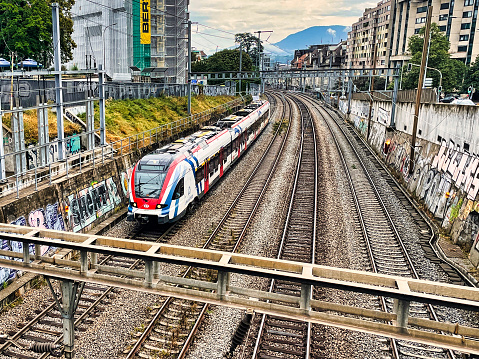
[167,182]
[157,188]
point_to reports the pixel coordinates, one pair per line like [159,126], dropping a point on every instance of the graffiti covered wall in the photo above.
[72,207]
[445,174]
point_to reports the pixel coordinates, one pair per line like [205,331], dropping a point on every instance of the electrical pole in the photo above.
[241,68]
[58,79]
[425,51]
[189,63]
[371,91]
[260,65]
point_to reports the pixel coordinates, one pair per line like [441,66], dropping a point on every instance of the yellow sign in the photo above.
[145,22]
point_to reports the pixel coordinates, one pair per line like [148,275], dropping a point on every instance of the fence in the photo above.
[27,89]
[427,96]
[77,159]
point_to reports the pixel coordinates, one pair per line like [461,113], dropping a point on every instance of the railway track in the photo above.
[43,331]
[278,337]
[173,326]
[385,247]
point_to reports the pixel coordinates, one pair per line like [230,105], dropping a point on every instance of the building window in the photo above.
[468,2]
[466,14]
[421,20]
[465,26]
[445,6]
[466,146]
[463,37]
[443,17]
[422,9]
[416,31]
[443,28]
[462,49]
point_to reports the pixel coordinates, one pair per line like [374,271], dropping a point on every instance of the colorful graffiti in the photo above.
[91,203]
[461,167]
[125,180]
[46,218]
[73,144]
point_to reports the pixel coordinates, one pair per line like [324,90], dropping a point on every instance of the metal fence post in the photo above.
[2,149]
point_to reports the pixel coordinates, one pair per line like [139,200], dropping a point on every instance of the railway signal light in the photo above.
[387,144]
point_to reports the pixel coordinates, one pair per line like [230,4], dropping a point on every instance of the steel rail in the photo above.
[287,221]
[191,335]
[386,213]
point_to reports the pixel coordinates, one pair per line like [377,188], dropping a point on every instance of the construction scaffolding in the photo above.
[103,34]
[108,31]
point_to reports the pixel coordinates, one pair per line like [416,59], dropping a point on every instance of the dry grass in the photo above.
[125,117]
[30,126]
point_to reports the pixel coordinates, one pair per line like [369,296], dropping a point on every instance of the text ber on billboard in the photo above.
[145,37]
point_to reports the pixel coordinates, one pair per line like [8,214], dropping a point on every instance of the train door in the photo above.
[207,176]
[221,161]
[245,138]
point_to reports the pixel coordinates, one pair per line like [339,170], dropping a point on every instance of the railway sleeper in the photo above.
[167,333]
[280,324]
[283,351]
[156,349]
[283,333]
[18,355]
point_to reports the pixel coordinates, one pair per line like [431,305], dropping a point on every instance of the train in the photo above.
[170,181]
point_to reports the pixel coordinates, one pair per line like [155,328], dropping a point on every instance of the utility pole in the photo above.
[189,63]
[371,91]
[58,79]
[425,51]
[241,68]
[259,62]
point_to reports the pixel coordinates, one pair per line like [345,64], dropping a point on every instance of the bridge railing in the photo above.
[85,267]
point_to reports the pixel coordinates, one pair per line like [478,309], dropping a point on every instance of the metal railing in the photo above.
[76,160]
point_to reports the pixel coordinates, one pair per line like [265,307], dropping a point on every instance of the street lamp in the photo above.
[103,39]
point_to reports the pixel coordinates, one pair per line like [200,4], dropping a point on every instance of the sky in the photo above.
[283,17]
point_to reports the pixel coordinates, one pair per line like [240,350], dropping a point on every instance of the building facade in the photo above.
[372,31]
[456,19]
[388,26]
[108,31]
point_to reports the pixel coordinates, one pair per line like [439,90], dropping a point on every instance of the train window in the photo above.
[148,184]
[179,190]
[199,174]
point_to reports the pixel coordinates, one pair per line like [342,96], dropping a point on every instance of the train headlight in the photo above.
[133,204]
[160,206]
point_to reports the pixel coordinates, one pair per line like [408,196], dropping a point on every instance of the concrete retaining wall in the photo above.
[446,166]
[77,203]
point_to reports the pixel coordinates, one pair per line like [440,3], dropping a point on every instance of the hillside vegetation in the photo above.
[125,117]
[128,117]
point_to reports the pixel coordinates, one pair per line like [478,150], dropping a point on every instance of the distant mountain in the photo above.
[314,36]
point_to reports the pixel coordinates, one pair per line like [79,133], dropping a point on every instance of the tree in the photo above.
[26,29]
[225,60]
[250,45]
[439,58]
[472,76]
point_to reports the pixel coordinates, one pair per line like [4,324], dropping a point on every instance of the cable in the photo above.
[220,37]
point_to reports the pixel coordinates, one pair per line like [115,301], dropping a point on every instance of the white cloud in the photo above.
[284,17]
[331,32]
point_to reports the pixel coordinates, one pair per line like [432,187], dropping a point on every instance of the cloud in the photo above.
[331,32]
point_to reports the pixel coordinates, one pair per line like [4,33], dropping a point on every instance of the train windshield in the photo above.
[148,184]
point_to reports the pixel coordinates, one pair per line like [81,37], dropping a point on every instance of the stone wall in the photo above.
[445,176]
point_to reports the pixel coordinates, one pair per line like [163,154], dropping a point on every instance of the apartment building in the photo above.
[456,19]
[391,23]
[371,31]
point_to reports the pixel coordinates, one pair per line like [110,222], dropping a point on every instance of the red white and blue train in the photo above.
[171,180]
